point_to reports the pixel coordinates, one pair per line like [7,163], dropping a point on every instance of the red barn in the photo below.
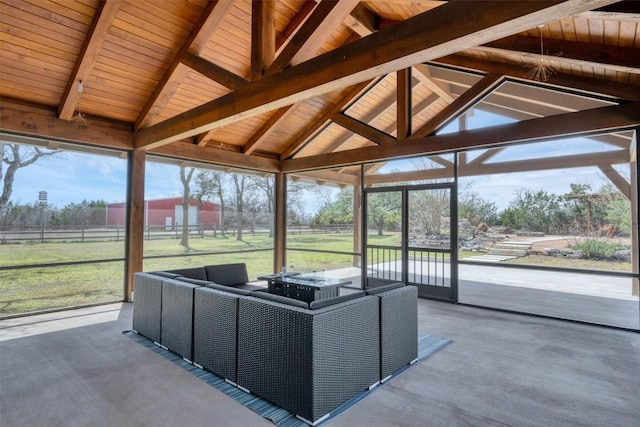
[167,214]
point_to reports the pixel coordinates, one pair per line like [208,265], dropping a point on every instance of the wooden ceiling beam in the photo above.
[587,85]
[614,176]
[304,44]
[470,97]
[593,121]
[209,20]
[363,129]
[330,176]
[353,93]
[214,72]
[30,120]
[184,150]
[105,13]
[295,23]
[263,36]
[439,32]
[488,154]
[362,21]
[615,58]
[423,74]
[547,163]
[403,109]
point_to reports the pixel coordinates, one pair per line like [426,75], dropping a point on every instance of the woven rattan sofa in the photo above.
[308,358]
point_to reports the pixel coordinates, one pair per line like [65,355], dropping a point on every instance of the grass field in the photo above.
[46,287]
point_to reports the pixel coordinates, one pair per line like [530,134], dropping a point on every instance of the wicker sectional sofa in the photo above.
[308,358]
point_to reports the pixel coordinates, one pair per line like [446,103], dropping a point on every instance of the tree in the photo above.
[210,186]
[16,156]
[476,209]
[426,209]
[239,184]
[338,211]
[383,209]
[535,211]
[185,178]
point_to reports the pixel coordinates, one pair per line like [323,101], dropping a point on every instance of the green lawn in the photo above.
[39,288]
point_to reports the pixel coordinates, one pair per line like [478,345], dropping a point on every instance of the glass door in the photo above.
[431,236]
[383,238]
[410,237]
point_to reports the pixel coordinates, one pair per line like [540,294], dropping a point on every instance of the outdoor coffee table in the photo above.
[305,287]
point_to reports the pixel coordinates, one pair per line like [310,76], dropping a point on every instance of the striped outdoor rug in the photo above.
[427,345]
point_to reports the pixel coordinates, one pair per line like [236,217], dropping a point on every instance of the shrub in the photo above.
[596,249]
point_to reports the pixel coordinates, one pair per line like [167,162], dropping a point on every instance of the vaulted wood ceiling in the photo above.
[256,83]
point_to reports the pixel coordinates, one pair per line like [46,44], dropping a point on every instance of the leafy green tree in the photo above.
[476,209]
[384,210]
[535,211]
[338,211]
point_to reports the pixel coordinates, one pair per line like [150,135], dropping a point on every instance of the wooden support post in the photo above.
[135,220]
[279,259]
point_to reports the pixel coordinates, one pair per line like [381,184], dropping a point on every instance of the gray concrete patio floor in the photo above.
[75,368]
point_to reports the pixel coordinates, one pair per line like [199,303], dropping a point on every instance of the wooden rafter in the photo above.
[353,93]
[614,58]
[105,13]
[362,21]
[436,33]
[363,129]
[263,36]
[548,163]
[618,180]
[210,19]
[587,85]
[423,74]
[462,103]
[597,120]
[212,71]
[488,154]
[326,16]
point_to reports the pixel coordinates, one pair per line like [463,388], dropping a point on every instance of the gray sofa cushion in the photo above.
[227,274]
[314,305]
[166,274]
[384,288]
[193,273]
[279,298]
[231,289]
[198,282]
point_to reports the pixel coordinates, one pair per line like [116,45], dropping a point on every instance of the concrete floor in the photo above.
[76,368]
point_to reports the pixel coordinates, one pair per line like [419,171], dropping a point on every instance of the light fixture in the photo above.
[541,69]
[80,87]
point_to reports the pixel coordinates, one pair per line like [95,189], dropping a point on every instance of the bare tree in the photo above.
[185,178]
[239,183]
[16,156]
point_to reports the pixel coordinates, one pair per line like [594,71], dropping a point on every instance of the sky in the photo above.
[71,177]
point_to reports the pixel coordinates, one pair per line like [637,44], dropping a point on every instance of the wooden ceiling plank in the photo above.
[326,16]
[263,133]
[210,19]
[462,103]
[587,85]
[214,72]
[433,34]
[105,13]
[363,129]
[353,93]
[597,120]
[263,36]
